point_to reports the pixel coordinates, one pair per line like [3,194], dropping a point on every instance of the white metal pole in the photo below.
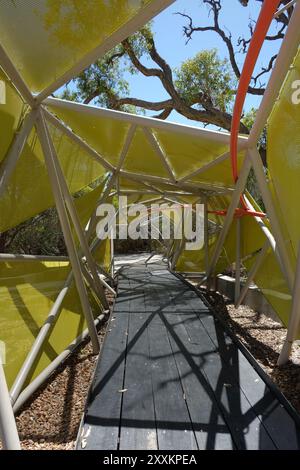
[79,231]
[294,318]
[16,148]
[284,8]
[206,237]
[103,198]
[142,121]
[39,341]
[237,286]
[206,167]
[259,259]
[40,379]
[112,254]
[158,150]
[65,224]
[8,429]
[271,212]
[15,77]
[42,259]
[288,50]
[269,236]
[126,147]
[240,185]
[77,140]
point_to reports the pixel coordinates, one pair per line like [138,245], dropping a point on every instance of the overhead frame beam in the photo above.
[158,150]
[126,147]
[195,188]
[142,121]
[80,142]
[222,158]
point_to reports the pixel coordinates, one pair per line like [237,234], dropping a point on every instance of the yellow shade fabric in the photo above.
[47,38]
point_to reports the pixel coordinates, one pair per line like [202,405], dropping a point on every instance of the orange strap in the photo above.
[268,10]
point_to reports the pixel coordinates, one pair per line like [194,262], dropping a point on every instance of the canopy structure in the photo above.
[73,156]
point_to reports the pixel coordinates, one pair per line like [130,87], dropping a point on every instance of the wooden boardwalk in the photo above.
[170,377]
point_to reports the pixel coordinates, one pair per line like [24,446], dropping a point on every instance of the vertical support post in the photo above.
[240,185]
[259,259]
[271,212]
[294,319]
[66,229]
[177,253]
[8,429]
[93,220]
[206,236]
[112,254]
[237,287]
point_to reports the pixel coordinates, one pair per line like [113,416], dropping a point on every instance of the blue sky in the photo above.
[171,44]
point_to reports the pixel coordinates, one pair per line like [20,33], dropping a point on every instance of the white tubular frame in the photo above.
[13,74]
[252,273]
[18,143]
[158,150]
[65,206]
[65,225]
[40,379]
[8,429]
[294,319]
[39,341]
[271,211]
[78,229]
[239,188]
[237,286]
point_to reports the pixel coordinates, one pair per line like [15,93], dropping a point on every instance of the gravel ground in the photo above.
[263,337]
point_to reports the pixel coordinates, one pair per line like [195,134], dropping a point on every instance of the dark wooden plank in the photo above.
[102,418]
[210,428]
[188,384]
[174,427]
[221,368]
[138,427]
[275,418]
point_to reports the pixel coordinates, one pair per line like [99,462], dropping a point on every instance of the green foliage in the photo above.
[40,235]
[248,119]
[208,75]
[252,186]
[105,79]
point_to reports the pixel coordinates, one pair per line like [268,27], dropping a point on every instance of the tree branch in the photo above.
[215,8]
